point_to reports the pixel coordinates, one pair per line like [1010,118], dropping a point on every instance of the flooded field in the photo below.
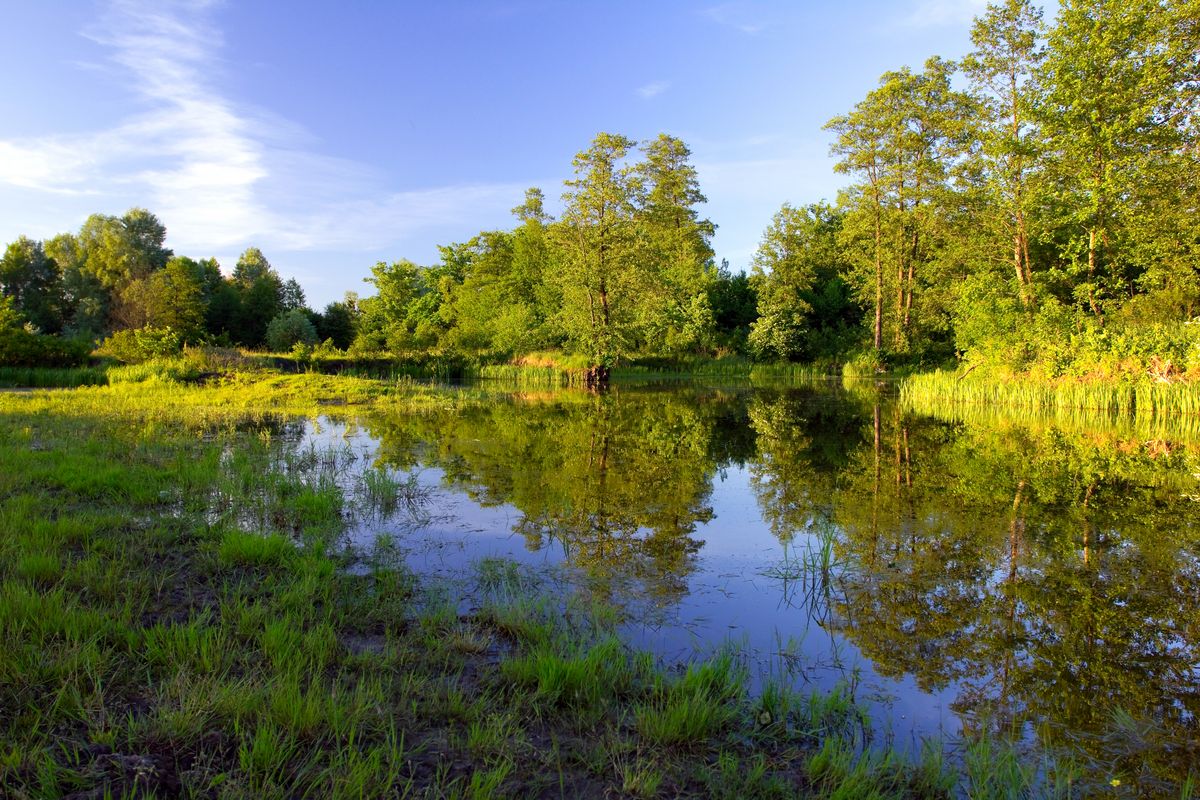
[953,574]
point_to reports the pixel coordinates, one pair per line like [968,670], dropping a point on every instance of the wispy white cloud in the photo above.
[221,175]
[938,13]
[653,89]
[736,15]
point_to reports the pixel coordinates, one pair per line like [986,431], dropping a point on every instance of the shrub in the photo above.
[23,348]
[290,329]
[143,344]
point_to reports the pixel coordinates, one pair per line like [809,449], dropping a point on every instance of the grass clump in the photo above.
[692,708]
[270,551]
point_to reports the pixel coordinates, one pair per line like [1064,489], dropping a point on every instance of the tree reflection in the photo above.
[621,480]
[1050,577]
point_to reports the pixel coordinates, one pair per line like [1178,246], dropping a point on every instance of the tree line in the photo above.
[1003,208]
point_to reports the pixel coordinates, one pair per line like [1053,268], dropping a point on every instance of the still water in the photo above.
[1038,578]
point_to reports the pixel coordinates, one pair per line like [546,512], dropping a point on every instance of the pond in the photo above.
[955,572]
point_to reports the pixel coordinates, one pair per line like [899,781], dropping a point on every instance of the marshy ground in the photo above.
[182,616]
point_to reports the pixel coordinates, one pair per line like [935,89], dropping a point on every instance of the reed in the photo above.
[52,377]
[1143,399]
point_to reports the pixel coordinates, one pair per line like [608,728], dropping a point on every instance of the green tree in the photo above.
[1119,80]
[903,142]
[260,292]
[289,329]
[120,250]
[734,305]
[1008,53]
[600,278]
[387,320]
[674,246]
[174,298]
[85,300]
[797,250]
[31,280]
[337,324]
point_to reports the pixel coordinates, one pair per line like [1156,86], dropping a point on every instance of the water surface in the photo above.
[957,573]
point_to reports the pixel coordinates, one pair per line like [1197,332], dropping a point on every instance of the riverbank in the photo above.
[180,616]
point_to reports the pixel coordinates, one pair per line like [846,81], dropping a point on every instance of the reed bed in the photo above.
[52,377]
[1144,399]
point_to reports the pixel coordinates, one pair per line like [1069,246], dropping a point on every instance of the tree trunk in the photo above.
[878,279]
[596,377]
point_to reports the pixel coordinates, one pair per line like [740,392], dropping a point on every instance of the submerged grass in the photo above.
[179,618]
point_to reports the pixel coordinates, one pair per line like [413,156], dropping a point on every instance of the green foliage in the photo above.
[21,347]
[136,346]
[289,329]
[804,309]
[29,278]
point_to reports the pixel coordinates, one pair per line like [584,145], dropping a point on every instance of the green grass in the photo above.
[179,617]
[1140,399]
[52,377]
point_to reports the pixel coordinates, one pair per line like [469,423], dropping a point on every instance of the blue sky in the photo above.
[336,135]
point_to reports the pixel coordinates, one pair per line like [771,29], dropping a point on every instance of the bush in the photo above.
[144,344]
[23,348]
[290,329]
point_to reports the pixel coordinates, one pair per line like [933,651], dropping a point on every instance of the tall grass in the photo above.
[52,377]
[1145,399]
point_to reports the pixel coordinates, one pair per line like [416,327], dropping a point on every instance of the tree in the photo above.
[734,305]
[534,261]
[861,144]
[1118,78]
[674,246]
[803,307]
[600,279]
[252,266]
[289,329]
[291,296]
[30,279]
[85,300]
[174,298]
[120,250]
[1007,55]
[260,297]
[386,318]
[903,141]
[337,324]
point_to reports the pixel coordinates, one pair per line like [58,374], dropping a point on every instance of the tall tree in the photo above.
[902,141]
[85,300]
[120,250]
[1114,77]
[260,292]
[1008,53]
[861,145]
[30,278]
[674,244]
[600,277]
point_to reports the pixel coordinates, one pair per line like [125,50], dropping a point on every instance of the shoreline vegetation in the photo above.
[179,615]
[1125,395]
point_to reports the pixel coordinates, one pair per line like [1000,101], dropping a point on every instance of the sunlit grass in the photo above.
[179,616]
